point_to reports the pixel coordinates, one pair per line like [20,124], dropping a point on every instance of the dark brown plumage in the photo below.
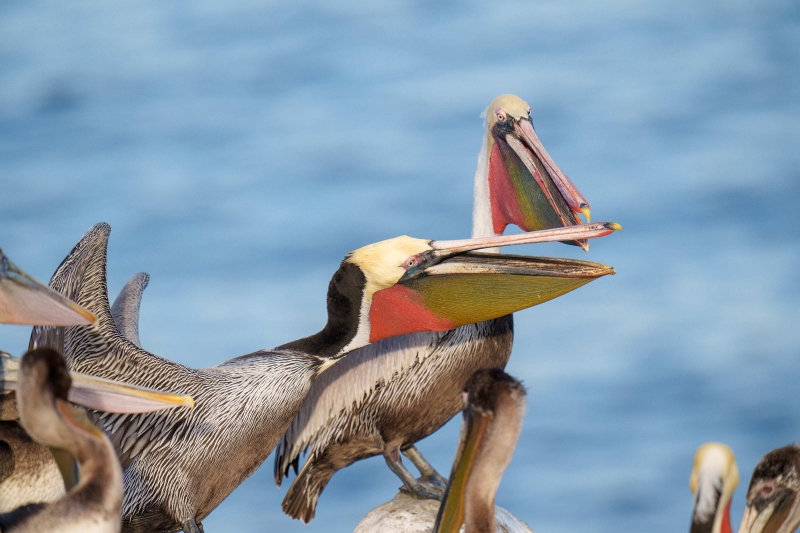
[93,506]
[773,497]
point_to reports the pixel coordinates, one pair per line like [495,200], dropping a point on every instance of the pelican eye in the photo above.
[411,262]
[414,261]
[501,116]
[766,491]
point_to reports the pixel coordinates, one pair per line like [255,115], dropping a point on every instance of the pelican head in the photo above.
[773,504]
[494,406]
[23,300]
[714,478]
[407,285]
[524,185]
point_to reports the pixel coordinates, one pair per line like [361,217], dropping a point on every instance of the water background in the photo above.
[239,149]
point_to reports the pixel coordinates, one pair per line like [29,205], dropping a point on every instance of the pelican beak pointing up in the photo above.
[526,187]
[23,300]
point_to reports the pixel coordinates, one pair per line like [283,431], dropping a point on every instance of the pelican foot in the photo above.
[429,473]
[434,480]
[423,491]
[411,485]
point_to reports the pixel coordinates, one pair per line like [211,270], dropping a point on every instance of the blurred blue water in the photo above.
[239,149]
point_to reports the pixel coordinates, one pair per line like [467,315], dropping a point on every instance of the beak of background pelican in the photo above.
[771,517]
[451,515]
[101,394]
[23,300]
[526,187]
[447,287]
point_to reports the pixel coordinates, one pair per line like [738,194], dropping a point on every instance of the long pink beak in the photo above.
[569,191]
[566,233]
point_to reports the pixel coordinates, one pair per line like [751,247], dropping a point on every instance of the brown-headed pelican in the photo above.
[28,471]
[714,478]
[494,406]
[385,397]
[179,466]
[93,505]
[773,497]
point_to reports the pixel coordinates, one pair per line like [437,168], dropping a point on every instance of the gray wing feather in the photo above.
[125,310]
[101,350]
[346,386]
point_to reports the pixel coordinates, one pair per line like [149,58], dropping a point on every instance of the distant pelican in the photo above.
[244,405]
[493,412]
[93,505]
[382,399]
[773,497]
[714,478]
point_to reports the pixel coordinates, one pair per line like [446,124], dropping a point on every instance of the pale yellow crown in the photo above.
[718,457]
[511,105]
[382,262]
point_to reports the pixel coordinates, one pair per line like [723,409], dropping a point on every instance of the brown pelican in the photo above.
[773,497]
[385,397]
[28,471]
[494,406]
[714,478]
[179,466]
[93,505]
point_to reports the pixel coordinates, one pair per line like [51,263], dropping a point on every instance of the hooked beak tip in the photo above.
[614,226]
[586,212]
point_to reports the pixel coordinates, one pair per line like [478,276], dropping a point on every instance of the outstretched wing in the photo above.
[101,350]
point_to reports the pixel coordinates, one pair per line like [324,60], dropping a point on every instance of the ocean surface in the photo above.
[239,149]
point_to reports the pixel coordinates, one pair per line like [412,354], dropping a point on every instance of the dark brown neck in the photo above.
[345,293]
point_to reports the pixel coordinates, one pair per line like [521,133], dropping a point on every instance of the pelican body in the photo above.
[715,477]
[494,406]
[179,466]
[382,399]
[773,497]
[93,504]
